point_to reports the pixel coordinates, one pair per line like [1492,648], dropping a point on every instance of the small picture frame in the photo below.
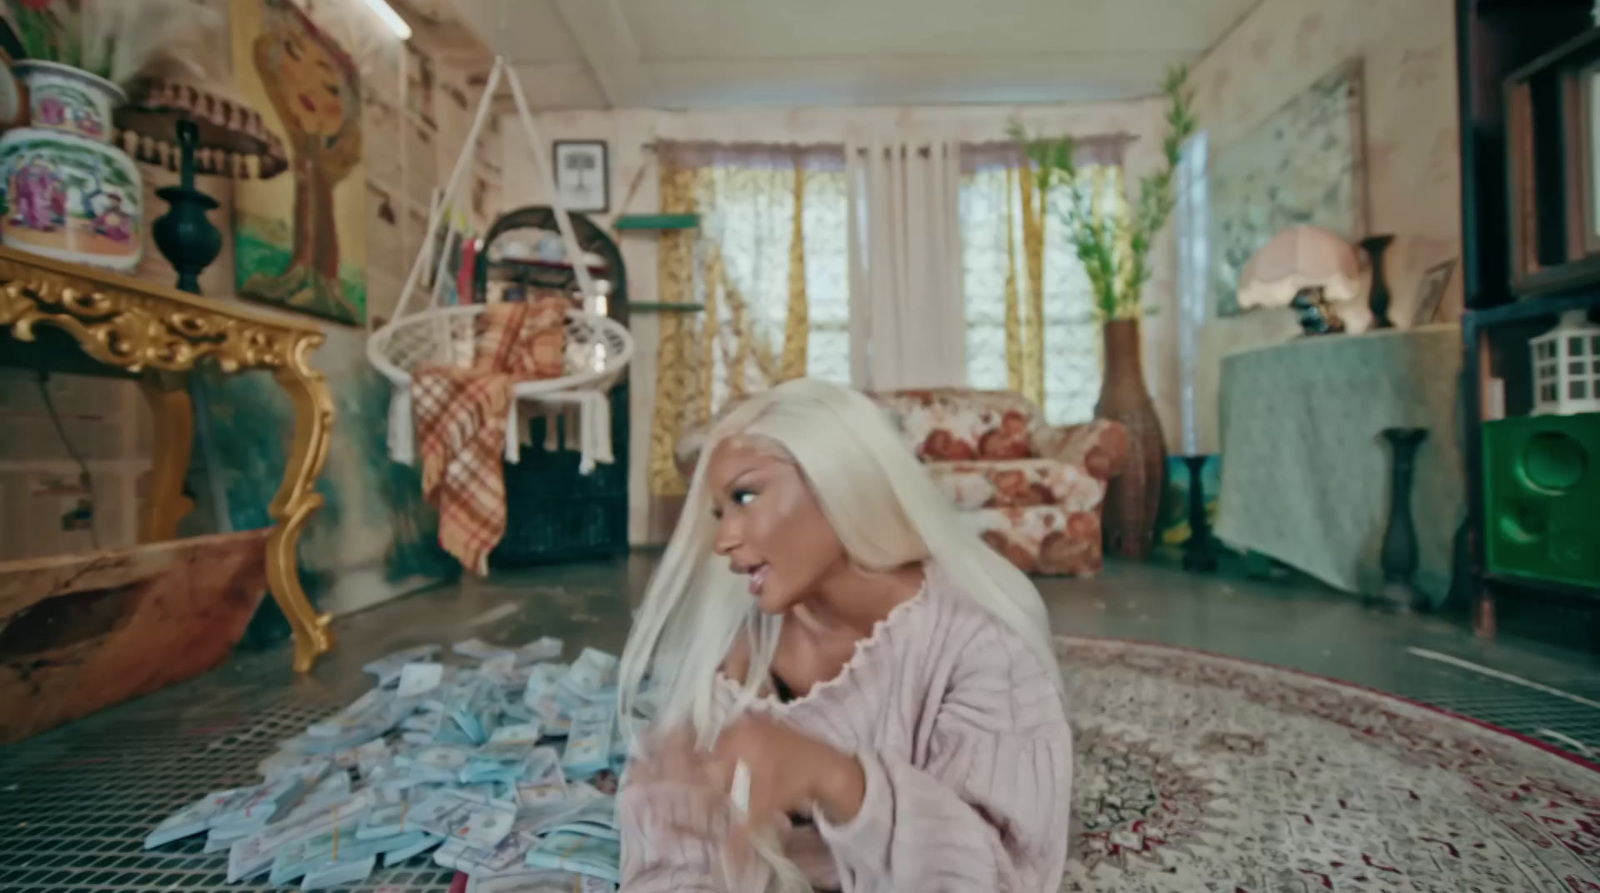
[583,175]
[1430,292]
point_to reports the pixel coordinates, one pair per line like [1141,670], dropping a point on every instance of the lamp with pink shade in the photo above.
[1307,268]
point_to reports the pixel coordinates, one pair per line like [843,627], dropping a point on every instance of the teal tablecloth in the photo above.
[1305,469]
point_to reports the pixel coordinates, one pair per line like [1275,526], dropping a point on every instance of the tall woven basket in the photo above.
[1133,498]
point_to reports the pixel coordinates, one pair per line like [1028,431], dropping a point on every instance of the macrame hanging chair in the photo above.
[597,348]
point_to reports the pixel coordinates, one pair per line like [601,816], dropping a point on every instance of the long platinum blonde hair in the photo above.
[881,504]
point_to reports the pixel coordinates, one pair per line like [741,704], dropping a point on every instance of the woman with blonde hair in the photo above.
[852,690]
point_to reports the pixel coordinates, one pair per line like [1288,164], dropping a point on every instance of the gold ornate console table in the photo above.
[159,334]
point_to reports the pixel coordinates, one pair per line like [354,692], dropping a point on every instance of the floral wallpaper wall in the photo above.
[1407,49]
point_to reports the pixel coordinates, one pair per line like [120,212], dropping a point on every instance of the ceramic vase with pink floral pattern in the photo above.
[69,194]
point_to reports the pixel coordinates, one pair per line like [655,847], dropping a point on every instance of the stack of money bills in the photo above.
[457,752]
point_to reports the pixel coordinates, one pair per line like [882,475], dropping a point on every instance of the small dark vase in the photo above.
[185,236]
[1133,498]
[1378,297]
[1398,558]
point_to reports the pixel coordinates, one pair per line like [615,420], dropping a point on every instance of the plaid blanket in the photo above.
[461,422]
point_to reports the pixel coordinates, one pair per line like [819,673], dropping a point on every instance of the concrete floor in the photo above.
[75,802]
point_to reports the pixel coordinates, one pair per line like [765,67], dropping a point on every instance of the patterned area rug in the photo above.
[1205,773]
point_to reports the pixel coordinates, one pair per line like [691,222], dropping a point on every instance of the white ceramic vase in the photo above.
[69,193]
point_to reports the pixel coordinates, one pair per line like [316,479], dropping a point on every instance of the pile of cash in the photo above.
[501,761]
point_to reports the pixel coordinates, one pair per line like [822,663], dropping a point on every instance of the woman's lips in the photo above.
[758,578]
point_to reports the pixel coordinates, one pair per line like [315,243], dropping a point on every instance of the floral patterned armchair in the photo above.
[1032,491]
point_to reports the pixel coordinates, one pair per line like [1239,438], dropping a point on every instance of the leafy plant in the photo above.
[115,39]
[1114,248]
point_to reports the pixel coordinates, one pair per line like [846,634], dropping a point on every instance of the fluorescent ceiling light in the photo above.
[391,18]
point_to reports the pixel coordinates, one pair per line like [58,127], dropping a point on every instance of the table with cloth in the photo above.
[1305,468]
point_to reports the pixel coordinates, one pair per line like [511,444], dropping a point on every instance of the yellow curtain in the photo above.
[677,360]
[798,325]
[746,265]
[1029,374]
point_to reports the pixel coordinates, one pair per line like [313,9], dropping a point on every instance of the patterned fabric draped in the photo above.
[1032,325]
[769,264]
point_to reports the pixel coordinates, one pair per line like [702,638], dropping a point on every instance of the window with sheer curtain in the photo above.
[1060,368]
[769,263]
[747,196]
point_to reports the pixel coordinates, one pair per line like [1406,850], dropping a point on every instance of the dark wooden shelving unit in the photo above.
[1509,56]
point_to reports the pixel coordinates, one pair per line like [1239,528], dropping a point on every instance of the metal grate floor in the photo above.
[76,803]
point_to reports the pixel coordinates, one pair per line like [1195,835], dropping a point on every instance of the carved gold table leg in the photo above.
[297,501]
[164,504]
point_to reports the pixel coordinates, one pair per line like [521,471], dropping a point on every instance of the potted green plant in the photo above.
[1114,249]
[68,192]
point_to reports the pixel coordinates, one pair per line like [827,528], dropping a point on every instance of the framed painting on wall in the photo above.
[1305,163]
[583,176]
[300,240]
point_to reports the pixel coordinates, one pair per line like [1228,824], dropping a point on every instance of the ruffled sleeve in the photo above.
[988,809]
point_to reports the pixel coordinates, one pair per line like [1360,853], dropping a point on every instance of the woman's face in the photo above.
[769,525]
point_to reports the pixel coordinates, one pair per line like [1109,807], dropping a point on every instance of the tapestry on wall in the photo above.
[1303,164]
[300,241]
[374,538]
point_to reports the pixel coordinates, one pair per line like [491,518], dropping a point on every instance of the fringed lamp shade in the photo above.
[234,140]
[1296,259]
[193,126]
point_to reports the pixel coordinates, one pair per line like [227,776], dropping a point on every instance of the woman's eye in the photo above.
[743,497]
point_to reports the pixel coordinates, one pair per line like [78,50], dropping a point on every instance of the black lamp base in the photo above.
[187,239]
[184,235]
[1198,553]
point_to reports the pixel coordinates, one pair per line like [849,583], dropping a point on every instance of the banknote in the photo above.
[418,679]
[489,771]
[295,858]
[538,817]
[517,712]
[504,672]
[252,812]
[338,874]
[553,712]
[540,678]
[540,650]
[249,807]
[485,827]
[577,853]
[478,649]
[438,762]
[536,881]
[543,766]
[387,668]
[504,857]
[372,756]
[588,748]
[442,812]
[593,673]
[515,741]
[384,821]
[530,795]
[289,762]
[396,856]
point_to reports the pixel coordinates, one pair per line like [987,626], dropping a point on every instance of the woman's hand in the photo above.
[790,772]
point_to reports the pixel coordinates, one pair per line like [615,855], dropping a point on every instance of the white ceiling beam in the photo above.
[601,32]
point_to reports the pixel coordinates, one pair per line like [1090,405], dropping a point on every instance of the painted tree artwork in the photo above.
[300,240]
